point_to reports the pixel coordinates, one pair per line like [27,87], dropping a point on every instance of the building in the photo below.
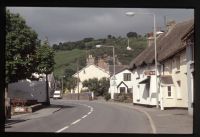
[89,72]
[122,83]
[188,41]
[144,79]
[173,61]
[171,70]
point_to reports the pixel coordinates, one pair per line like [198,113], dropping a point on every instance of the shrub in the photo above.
[107,96]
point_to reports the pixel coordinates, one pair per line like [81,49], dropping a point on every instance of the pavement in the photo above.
[173,121]
[43,112]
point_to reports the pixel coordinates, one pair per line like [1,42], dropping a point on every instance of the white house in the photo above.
[122,82]
[89,72]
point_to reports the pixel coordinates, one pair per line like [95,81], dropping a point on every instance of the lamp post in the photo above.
[99,46]
[62,83]
[154,28]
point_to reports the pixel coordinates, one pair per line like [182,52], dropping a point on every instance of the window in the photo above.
[178,62]
[178,89]
[169,93]
[127,76]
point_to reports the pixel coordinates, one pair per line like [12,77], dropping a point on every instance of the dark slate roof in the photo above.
[118,68]
[168,44]
[166,79]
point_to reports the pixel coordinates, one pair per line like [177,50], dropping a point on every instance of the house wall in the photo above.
[142,95]
[119,78]
[180,95]
[190,70]
[89,73]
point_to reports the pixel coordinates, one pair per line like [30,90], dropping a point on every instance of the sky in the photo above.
[73,24]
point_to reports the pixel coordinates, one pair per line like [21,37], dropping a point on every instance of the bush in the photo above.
[107,96]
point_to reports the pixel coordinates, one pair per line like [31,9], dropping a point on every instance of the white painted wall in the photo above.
[119,78]
[140,93]
[180,96]
[89,72]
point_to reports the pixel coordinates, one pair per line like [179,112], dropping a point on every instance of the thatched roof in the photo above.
[168,44]
[172,43]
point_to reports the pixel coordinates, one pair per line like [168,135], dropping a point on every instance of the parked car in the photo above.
[57,94]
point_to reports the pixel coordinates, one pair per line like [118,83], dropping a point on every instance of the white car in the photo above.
[57,94]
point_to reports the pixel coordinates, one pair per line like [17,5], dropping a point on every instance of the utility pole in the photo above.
[78,77]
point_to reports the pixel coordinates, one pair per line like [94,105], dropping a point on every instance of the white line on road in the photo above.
[91,109]
[75,122]
[62,129]
[84,116]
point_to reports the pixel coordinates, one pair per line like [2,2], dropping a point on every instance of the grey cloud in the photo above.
[70,24]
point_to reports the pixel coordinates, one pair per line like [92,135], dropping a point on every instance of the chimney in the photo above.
[150,38]
[170,25]
[90,60]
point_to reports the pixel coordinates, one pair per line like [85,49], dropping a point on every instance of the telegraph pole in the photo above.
[78,77]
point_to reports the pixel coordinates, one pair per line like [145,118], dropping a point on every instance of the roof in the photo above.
[167,79]
[122,82]
[168,43]
[172,43]
[145,81]
[91,65]
[118,68]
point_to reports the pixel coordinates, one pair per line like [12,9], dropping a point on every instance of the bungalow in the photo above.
[122,83]
[172,57]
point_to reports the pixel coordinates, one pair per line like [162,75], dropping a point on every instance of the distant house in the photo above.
[122,83]
[32,89]
[89,72]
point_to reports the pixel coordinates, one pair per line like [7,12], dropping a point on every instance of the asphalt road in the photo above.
[85,117]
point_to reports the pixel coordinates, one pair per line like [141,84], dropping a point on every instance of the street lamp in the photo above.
[128,47]
[154,28]
[99,46]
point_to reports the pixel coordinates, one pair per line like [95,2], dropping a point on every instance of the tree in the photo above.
[132,34]
[99,87]
[71,83]
[21,43]
[45,62]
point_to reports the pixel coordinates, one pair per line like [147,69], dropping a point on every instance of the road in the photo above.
[85,117]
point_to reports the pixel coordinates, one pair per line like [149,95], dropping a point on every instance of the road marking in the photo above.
[62,129]
[75,122]
[91,109]
[84,116]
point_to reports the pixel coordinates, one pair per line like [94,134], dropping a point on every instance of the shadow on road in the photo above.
[61,106]
[9,122]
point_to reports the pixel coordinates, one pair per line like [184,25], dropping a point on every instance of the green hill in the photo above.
[67,53]
[66,59]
